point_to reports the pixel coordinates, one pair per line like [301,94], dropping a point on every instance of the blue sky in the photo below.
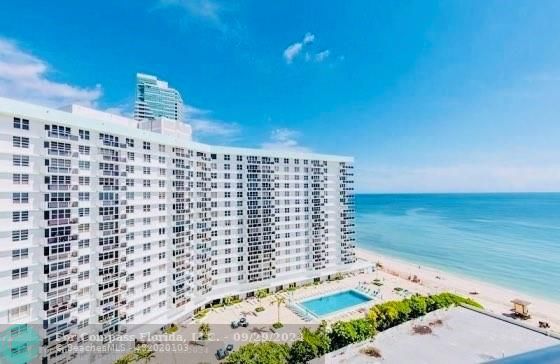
[428,96]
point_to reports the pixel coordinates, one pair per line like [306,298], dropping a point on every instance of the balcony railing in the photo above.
[64,136]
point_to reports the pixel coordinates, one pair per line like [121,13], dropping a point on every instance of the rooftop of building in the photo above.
[91,119]
[458,335]
[158,82]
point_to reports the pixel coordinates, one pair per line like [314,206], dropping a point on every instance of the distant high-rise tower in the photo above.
[155,99]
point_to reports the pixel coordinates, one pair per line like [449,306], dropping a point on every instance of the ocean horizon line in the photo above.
[460,193]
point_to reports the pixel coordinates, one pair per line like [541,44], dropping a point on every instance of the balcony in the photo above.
[107,278]
[106,263]
[105,294]
[59,153]
[110,173]
[58,169]
[50,134]
[109,217]
[62,239]
[55,222]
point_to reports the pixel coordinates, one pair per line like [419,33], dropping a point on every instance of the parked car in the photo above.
[242,322]
[221,354]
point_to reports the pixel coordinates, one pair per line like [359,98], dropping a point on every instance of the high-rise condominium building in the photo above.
[155,99]
[105,227]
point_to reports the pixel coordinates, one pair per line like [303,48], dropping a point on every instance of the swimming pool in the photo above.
[329,304]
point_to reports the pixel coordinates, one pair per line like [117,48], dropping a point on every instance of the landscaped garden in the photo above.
[324,339]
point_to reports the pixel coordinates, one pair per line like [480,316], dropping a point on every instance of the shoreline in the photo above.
[494,298]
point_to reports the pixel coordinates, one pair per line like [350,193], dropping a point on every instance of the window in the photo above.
[146,146]
[20,273]
[84,149]
[20,142]
[20,160]
[20,178]
[84,134]
[20,197]
[21,123]
[84,165]
[19,292]
[18,216]
[18,254]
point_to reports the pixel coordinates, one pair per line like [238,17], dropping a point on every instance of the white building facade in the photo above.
[106,227]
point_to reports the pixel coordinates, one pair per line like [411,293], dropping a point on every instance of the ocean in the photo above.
[510,240]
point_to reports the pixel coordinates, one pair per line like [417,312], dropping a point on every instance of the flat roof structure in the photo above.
[458,335]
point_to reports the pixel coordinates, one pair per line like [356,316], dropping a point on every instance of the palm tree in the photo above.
[227,300]
[204,329]
[126,359]
[144,353]
[278,300]
[261,293]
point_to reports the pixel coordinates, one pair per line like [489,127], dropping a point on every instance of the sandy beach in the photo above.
[494,298]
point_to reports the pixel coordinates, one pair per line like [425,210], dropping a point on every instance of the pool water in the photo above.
[326,305]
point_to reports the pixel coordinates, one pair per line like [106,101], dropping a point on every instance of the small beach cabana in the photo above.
[521,308]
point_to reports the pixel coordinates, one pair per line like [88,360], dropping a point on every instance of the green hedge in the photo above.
[266,352]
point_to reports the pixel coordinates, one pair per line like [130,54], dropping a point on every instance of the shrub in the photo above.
[347,332]
[259,309]
[392,313]
[261,293]
[418,306]
[313,344]
[171,329]
[259,353]
[200,314]
[301,352]
[204,330]
[277,325]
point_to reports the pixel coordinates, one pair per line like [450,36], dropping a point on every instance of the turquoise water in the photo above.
[326,305]
[511,240]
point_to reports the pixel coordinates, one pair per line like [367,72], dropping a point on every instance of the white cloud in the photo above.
[308,38]
[207,10]
[294,49]
[463,177]
[321,56]
[204,125]
[23,76]
[284,139]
